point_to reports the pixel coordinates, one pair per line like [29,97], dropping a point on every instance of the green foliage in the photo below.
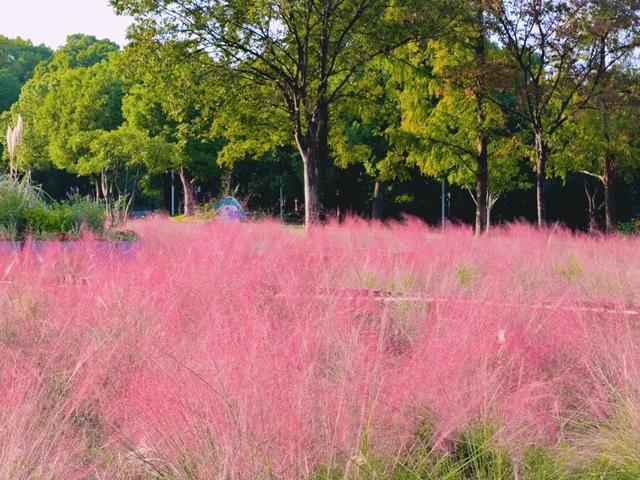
[439,100]
[64,220]
[174,104]
[479,457]
[609,127]
[631,227]
[541,463]
[82,212]
[82,51]
[17,197]
[73,110]
[18,61]
[611,447]
[67,104]
[24,211]
[365,128]
[475,454]
[407,92]
[41,221]
[424,461]
[606,451]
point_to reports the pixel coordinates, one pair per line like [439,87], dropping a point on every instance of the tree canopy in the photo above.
[322,107]
[18,61]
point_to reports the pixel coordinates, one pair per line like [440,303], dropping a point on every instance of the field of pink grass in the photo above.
[260,351]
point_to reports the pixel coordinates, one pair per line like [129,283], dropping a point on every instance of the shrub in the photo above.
[631,227]
[41,221]
[84,212]
[17,197]
[64,220]
[23,211]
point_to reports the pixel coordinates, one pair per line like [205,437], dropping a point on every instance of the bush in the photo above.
[23,212]
[17,198]
[41,221]
[83,212]
[631,227]
[64,220]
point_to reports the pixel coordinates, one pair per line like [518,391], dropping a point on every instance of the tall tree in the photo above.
[452,130]
[365,127]
[562,49]
[174,101]
[62,89]
[461,68]
[119,158]
[308,51]
[72,111]
[602,142]
[81,51]
[18,61]
[443,141]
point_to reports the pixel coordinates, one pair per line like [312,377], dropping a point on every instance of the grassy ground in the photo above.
[362,351]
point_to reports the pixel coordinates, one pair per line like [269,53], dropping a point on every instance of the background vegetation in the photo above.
[25,211]
[526,108]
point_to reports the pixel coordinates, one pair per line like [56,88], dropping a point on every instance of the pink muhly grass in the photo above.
[255,351]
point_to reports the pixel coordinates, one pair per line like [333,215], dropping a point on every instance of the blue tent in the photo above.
[229,210]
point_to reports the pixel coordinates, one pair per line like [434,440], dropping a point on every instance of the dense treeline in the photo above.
[526,108]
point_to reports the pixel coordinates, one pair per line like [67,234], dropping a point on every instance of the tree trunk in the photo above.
[307,148]
[188,193]
[311,199]
[340,200]
[489,209]
[312,140]
[609,174]
[542,152]
[482,177]
[378,200]
[609,181]
[312,152]
[491,202]
[106,194]
[609,177]
[104,184]
[591,206]
[312,148]
[482,168]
